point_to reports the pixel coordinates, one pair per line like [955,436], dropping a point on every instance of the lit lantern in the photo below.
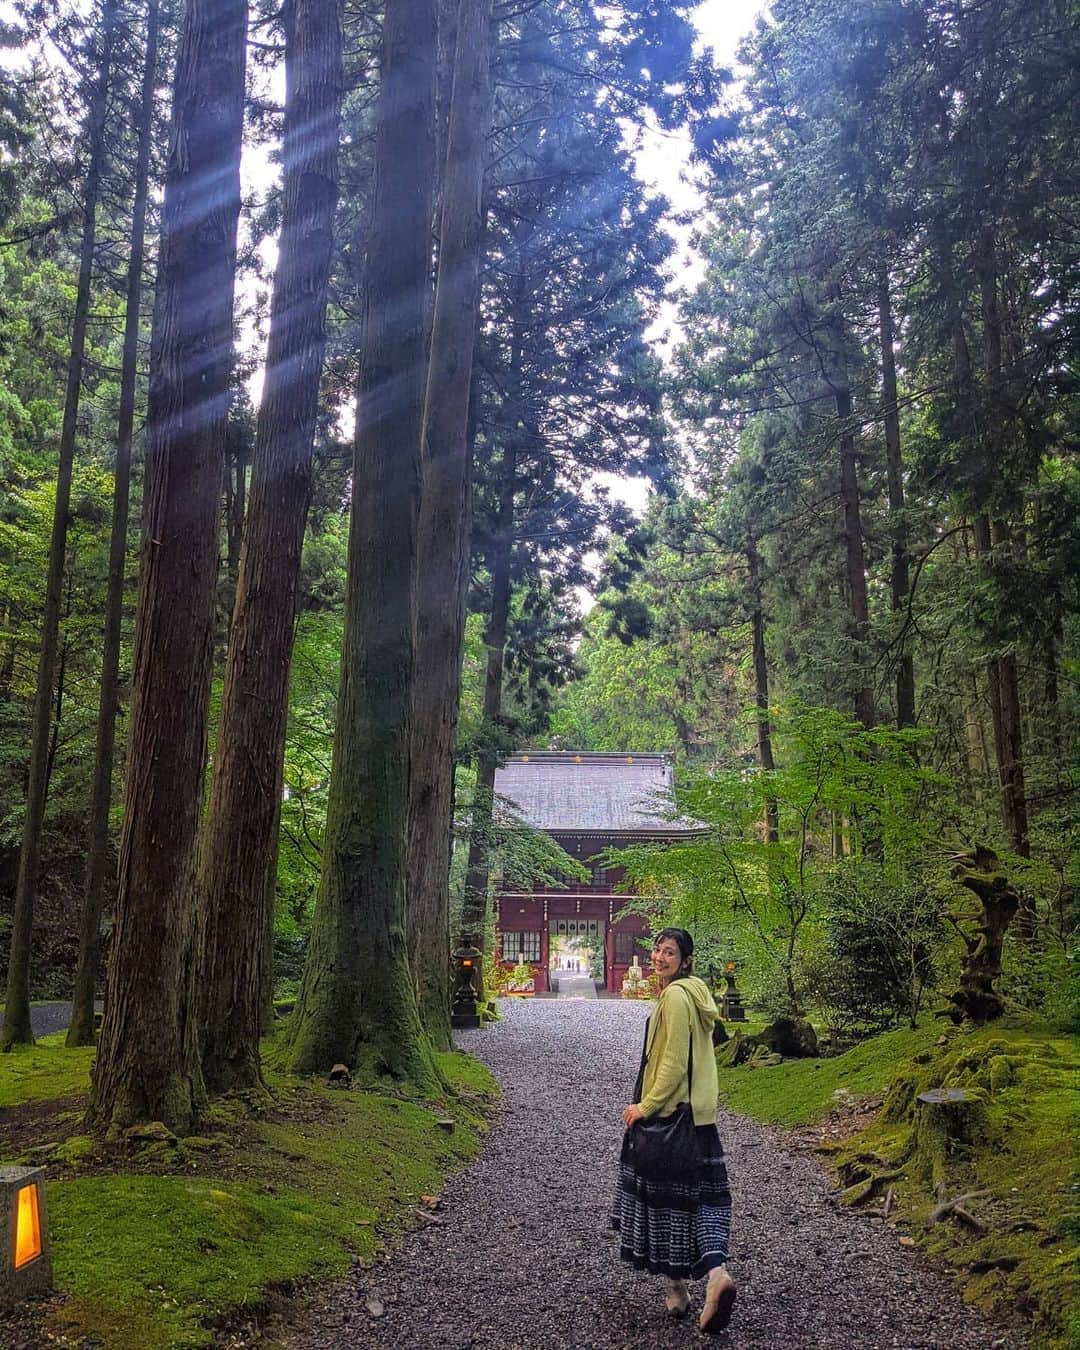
[26,1268]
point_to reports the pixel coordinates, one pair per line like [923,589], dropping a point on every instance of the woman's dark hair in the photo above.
[685,944]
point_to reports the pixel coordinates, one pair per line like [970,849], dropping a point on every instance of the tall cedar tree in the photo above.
[81,1030]
[17,1029]
[147,1065]
[357,996]
[445,520]
[237,851]
[566,387]
[929,166]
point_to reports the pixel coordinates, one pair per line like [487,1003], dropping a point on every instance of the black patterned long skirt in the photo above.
[676,1229]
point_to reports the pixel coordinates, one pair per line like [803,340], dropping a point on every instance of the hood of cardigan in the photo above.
[702,1002]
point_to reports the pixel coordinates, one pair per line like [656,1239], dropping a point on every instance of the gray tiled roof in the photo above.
[564,791]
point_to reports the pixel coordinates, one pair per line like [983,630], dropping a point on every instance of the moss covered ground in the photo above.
[1017,1257]
[159,1242]
[44,1072]
[802,1090]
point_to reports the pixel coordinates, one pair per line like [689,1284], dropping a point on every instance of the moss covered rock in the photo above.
[75,1151]
[792,1037]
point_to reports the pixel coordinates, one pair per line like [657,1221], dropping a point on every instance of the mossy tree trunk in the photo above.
[977,999]
[855,558]
[81,1030]
[238,840]
[474,904]
[147,1065]
[445,520]
[946,1120]
[357,999]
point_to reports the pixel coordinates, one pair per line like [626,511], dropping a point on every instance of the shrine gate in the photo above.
[588,803]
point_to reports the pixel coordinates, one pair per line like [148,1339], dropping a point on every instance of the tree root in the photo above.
[945,1209]
[986,1263]
[868,1187]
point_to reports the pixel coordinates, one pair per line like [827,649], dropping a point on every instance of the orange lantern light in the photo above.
[26,1263]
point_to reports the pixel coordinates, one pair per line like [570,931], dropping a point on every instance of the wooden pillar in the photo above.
[609,954]
[545,945]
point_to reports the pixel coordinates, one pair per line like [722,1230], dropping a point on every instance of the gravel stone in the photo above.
[525,1259]
[47,1018]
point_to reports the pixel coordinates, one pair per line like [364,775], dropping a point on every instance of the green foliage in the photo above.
[626,696]
[526,857]
[310,730]
[520,979]
[846,800]
[879,948]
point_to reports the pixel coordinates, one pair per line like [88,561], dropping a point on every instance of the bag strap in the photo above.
[641,1067]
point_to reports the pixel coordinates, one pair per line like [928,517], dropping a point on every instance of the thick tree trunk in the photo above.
[81,1030]
[761,686]
[474,903]
[147,1065]
[235,498]
[1011,748]
[16,1030]
[357,998]
[445,512]
[238,844]
[900,571]
[858,602]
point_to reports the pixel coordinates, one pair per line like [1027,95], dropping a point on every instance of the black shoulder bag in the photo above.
[665,1148]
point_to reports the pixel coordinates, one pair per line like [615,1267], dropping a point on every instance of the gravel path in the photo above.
[525,1259]
[45,1018]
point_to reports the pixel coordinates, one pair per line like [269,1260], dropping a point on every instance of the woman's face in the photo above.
[666,958]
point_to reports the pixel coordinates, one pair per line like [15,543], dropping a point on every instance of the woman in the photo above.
[671,1226]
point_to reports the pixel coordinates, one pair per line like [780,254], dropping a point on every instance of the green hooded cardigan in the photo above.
[685,1008]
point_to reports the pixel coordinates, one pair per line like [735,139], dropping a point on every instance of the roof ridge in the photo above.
[592,756]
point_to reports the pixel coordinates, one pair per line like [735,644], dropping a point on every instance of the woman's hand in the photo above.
[632,1115]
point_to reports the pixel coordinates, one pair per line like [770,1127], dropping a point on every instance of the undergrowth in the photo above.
[155,1248]
[1019,1256]
[802,1090]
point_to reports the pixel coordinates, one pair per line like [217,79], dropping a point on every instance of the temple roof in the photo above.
[574,792]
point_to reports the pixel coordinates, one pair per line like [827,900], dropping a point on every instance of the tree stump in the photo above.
[945,1118]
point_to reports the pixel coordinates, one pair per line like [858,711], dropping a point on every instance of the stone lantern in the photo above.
[731,1005]
[467,959]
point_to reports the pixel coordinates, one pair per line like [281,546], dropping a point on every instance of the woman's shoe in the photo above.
[719,1301]
[677,1298]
